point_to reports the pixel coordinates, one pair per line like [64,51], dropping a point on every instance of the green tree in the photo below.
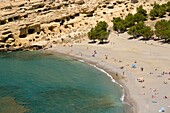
[166,36]
[119,25]
[142,11]
[146,32]
[160,27]
[102,25]
[162,30]
[92,35]
[153,14]
[99,32]
[103,35]
[139,17]
[129,20]
[136,30]
[158,11]
[140,29]
[133,31]
[161,11]
[141,14]
[168,7]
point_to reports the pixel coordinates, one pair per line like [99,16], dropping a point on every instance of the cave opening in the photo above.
[31,31]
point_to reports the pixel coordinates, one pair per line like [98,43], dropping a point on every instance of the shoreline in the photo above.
[118,56]
[127,101]
[125,98]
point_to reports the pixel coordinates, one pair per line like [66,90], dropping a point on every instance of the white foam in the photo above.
[80,60]
[113,80]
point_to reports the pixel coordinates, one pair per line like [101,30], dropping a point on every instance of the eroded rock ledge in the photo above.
[38,23]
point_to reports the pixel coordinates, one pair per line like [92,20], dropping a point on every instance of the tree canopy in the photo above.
[162,29]
[158,11]
[140,29]
[141,14]
[119,24]
[99,32]
[129,20]
[168,7]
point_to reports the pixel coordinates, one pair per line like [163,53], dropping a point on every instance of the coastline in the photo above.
[121,52]
[129,103]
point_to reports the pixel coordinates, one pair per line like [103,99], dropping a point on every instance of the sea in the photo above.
[38,82]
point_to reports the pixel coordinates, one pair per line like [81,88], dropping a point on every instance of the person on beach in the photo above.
[106,56]
[95,52]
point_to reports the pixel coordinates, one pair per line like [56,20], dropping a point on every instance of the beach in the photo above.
[141,67]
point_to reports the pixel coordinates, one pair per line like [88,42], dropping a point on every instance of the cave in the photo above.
[10,19]
[134,1]
[1,46]
[22,5]
[45,10]
[68,18]
[10,36]
[51,28]
[104,6]
[7,46]
[66,5]
[86,23]
[57,20]
[39,11]
[2,22]
[36,36]
[31,31]
[59,7]
[104,12]
[65,26]
[6,38]
[16,17]
[106,2]
[72,17]
[110,7]
[90,15]
[72,25]
[114,3]
[77,14]
[25,16]
[6,32]
[22,36]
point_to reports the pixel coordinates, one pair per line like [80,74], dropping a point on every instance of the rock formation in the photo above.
[35,23]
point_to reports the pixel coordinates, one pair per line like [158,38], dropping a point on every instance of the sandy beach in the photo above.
[143,68]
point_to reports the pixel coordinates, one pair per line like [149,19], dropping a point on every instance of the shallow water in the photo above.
[44,83]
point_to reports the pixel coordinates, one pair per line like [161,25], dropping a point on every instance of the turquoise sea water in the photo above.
[45,83]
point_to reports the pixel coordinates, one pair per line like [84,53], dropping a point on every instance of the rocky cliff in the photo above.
[37,23]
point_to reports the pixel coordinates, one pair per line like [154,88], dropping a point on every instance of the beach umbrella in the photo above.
[133,65]
[162,109]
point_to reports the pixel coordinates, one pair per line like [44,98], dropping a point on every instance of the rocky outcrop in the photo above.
[24,23]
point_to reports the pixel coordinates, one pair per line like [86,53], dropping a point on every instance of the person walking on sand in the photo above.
[106,57]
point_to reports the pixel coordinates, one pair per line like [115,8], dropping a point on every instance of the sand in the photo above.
[152,61]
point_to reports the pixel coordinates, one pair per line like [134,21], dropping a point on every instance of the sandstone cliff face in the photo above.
[40,22]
